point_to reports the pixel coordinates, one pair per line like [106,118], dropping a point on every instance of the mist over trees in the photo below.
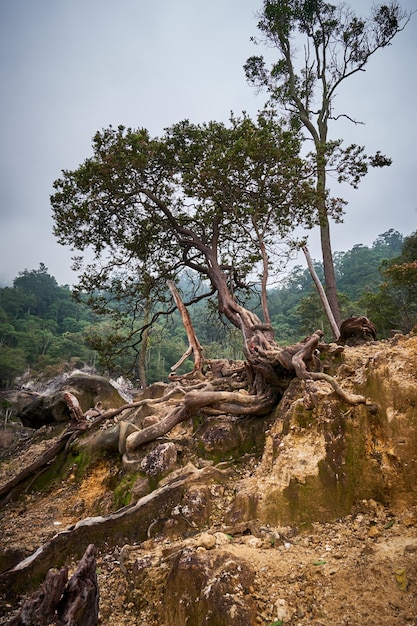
[213,206]
[379,281]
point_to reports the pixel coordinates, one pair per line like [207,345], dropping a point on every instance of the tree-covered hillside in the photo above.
[44,329]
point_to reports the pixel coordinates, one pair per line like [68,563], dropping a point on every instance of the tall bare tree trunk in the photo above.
[326,247]
[141,365]
[322,294]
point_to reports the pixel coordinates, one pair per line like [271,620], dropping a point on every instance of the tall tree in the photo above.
[149,208]
[394,304]
[336,45]
[40,287]
[186,201]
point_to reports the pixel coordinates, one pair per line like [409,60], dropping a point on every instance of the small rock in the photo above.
[160,460]
[374,532]
[222,539]
[253,542]
[410,548]
[206,540]
[283,612]
[150,420]
[141,488]
[409,519]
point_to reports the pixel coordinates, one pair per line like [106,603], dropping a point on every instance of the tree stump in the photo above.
[72,604]
[357,330]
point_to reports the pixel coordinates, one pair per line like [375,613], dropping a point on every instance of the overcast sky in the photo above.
[71,67]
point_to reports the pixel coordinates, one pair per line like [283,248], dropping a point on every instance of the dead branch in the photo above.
[322,294]
[74,407]
[194,347]
[40,462]
[77,426]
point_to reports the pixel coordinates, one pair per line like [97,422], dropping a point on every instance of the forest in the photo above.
[45,328]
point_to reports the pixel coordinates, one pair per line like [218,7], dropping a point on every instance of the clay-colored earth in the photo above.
[359,569]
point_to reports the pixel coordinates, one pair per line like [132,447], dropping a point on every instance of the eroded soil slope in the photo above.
[201,553]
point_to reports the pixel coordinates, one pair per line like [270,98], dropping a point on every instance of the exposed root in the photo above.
[128,524]
[202,399]
[299,362]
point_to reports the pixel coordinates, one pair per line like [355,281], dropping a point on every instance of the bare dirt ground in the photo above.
[361,569]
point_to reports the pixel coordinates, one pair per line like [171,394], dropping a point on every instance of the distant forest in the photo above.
[45,330]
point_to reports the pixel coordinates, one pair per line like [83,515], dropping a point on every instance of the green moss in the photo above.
[346,475]
[303,417]
[122,493]
[65,463]
[82,461]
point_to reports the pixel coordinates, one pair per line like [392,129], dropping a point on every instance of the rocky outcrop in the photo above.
[50,406]
[321,455]
[257,520]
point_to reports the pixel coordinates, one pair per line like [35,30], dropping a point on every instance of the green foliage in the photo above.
[295,307]
[388,297]
[358,269]
[212,199]
[394,304]
[157,206]
[35,330]
[336,45]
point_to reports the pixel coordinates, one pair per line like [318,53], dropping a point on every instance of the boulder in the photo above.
[207,588]
[160,461]
[50,407]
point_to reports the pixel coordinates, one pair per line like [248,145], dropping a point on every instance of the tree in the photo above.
[40,286]
[40,325]
[151,208]
[337,45]
[394,305]
[357,269]
[158,206]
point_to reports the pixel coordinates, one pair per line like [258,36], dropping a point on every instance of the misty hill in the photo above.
[43,328]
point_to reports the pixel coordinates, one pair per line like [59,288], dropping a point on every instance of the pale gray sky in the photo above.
[71,67]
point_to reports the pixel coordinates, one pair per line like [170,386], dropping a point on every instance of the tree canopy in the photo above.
[210,198]
[335,45]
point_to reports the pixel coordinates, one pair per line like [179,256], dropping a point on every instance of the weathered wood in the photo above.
[77,425]
[75,429]
[74,407]
[197,400]
[39,463]
[194,346]
[304,354]
[357,329]
[128,525]
[40,608]
[322,294]
[80,601]
[73,603]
